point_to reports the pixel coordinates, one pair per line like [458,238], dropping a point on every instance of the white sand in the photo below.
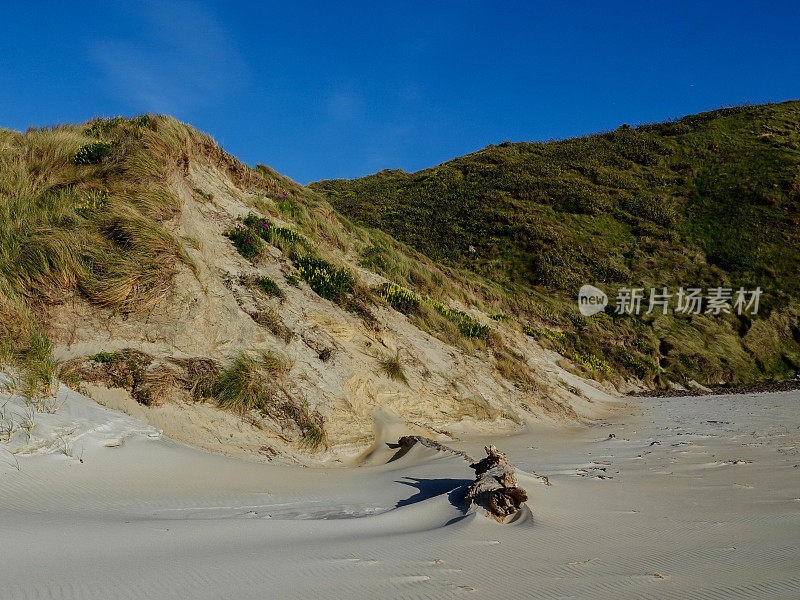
[713,511]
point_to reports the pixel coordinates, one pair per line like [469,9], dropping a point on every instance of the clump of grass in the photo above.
[25,346]
[310,424]
[249,383]
[292,280]
[201,377]
[94,201]
[392,366]
[513,367]
[105,357]
[269,318]
[263,282]
[38,367]
[254,383]
[268,285]
[92,154]
[246,242]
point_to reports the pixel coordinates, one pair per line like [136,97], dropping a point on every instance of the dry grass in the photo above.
[392,366]
[149,380]
[255,383]
[251,383]
[95,229]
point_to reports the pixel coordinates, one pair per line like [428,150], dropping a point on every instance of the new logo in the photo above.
[591,300]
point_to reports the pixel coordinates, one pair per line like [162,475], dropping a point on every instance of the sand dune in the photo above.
[691,497]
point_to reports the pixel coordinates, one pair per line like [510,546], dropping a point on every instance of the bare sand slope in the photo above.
[710,510]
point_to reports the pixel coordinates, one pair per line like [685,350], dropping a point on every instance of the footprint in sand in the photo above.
[354,559]
[411,579]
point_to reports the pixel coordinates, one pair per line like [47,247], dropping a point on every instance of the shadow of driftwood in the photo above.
[428,488]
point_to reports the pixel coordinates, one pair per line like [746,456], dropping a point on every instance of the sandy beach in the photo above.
[684,497]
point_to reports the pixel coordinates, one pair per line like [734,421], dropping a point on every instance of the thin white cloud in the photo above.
[179,58]
[345,105]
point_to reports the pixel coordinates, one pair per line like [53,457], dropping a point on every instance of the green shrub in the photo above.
[592,362]
[92,154]
[408,303]
[260,226]
[324,278]
[471,328]
[270,232]
[467,326]
[500,317]
[336,284]
[550,334]
[267,285]
[399,298]
[286,234]
[105,357]
[247,243]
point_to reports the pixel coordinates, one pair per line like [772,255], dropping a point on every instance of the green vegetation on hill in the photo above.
[707,200]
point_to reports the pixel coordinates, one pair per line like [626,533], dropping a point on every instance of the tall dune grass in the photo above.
[76,221]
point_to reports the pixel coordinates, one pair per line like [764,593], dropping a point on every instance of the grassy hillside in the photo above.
[707,200]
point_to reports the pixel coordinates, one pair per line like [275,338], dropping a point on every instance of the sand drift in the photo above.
[693,497]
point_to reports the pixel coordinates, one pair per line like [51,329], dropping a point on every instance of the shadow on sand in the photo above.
[429,488]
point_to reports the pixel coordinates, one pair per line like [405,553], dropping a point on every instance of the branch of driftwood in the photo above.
[495,488]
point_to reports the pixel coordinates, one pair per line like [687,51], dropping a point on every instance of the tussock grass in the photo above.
[80,211]
[250,383]
[393,367]
[254,383]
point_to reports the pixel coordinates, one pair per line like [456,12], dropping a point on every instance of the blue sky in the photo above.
[323,90]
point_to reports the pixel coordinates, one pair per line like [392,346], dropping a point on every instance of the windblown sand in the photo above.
[690,498]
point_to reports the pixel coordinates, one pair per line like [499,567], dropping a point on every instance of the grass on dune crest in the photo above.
[80,211]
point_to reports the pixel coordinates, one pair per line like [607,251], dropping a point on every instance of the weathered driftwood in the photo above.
[407,441]
[495,488]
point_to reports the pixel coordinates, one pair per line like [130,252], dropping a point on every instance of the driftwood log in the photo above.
[495,488]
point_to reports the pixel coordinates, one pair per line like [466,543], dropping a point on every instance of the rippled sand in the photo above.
[690,498]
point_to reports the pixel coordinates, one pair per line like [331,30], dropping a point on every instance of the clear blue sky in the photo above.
[326,89]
